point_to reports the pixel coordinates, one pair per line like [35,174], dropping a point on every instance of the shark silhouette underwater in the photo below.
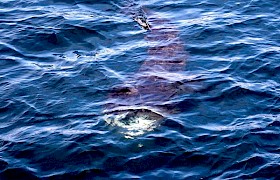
[140,104]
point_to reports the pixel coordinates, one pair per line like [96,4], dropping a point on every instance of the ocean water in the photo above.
[87,93]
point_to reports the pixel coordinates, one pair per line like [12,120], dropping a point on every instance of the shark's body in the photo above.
[138,106]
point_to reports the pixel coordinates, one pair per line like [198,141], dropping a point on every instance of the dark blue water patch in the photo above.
[265,172]
[148,163]
[3,165]
[15,173]
[9,50]
[86,174]
[8,63]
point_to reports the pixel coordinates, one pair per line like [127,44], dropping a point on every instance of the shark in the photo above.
[139,105]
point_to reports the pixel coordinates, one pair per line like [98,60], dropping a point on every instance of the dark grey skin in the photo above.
[158,79]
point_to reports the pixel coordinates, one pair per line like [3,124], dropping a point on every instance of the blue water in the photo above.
[62,60]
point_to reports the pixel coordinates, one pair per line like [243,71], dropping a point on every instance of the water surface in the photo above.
[60,60]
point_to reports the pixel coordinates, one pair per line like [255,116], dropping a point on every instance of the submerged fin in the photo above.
[142,21]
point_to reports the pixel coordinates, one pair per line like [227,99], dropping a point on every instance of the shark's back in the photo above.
[155,83]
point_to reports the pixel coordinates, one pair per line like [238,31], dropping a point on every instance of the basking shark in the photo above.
[138,106]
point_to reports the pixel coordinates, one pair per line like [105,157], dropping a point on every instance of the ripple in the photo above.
[86,174]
